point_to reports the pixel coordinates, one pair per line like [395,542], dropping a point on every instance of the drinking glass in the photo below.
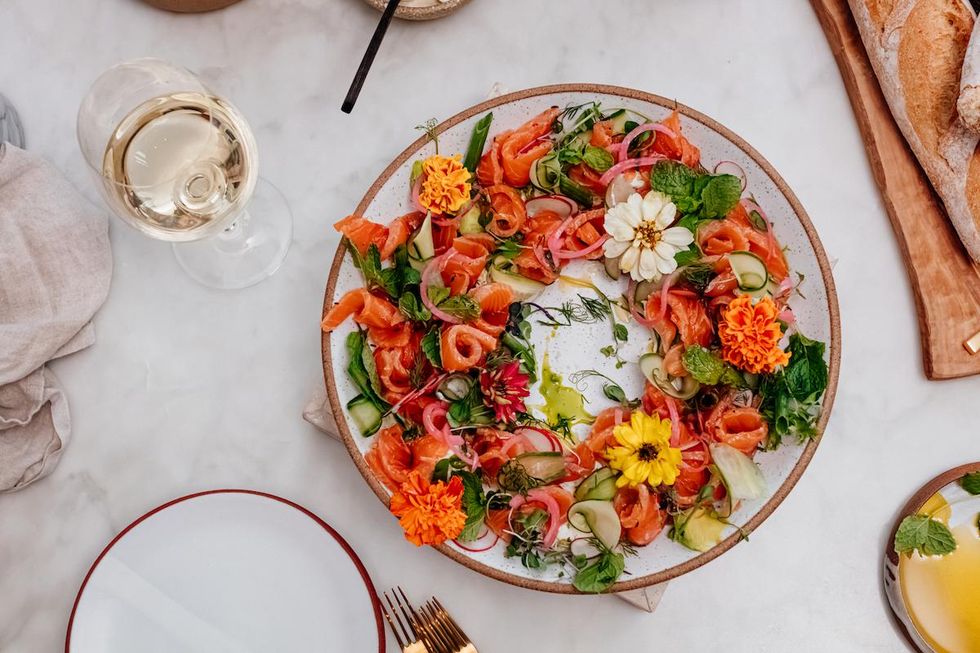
[179,163]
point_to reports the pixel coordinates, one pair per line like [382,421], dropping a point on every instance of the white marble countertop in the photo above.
[189,389]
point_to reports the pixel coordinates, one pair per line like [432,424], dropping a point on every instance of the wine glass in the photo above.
[179,163]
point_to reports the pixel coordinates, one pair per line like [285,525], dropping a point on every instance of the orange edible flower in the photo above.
[750,335]
[430,513]
[445,184]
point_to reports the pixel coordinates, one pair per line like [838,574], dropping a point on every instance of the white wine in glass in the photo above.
[180,164]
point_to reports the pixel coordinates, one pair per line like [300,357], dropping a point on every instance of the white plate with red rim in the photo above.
[226,571]
[816,313]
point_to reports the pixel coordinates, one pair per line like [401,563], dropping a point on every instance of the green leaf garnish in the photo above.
[431,347]
[600,574]
[412,308]
[971,483]
[923,534]
[597,158]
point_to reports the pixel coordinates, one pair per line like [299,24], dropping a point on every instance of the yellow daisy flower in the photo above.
[644,454]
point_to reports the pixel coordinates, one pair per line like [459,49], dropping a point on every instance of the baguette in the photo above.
[917,49]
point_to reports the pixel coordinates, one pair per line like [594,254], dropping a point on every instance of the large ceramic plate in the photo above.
[816,313]
[226,571]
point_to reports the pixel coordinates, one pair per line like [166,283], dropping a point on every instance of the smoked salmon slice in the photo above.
[463,346]
[601,436]
[494,300]
[490,171]
[678,148]
[392,459]
[367,309]
[364,233]
[685,315]
[639,514]
[508,212]
[524,146]
[722,237]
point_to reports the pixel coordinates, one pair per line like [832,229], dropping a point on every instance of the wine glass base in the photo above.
[250,250]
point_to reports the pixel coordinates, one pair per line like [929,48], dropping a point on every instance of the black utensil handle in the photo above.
[369,54]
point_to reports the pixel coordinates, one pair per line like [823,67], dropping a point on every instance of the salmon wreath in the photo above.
[442,358]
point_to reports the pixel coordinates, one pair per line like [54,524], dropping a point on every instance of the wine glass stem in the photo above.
[234,237]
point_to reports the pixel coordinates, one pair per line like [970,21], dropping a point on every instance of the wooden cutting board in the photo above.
[945,282]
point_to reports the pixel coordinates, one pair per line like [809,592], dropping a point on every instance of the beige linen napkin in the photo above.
[55,267]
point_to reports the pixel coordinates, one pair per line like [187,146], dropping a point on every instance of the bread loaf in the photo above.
[917,49]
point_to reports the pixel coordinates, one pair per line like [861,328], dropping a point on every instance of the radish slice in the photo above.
[732,168]
[554,240]
[432,269]
[539,439]
[629,164]
[559,204]
[664,290]
[751,206]
[585,251]
[554,515]
[514,441]
[630,137]
[618,191]
[492,544]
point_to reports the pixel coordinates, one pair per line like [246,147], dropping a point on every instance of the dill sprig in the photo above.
[429,127]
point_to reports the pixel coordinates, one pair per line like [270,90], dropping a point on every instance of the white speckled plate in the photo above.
[577,347]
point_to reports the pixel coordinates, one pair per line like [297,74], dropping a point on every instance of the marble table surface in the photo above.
[189,389]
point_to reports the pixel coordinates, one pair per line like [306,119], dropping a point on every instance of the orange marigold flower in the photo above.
[750,335]
[430,513]
[445,184]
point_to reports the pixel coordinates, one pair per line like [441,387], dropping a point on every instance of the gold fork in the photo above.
[408,634]
[428,630]
[450,631]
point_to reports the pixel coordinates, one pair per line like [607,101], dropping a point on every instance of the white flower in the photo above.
[639,235]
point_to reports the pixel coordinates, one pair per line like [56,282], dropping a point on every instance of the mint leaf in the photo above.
[431,347]
[925,535]
[720,195]
[706,367]
[703,365]
[462,306]
[971,482]
[674,179]
[688,256]
[412,308]
[437,294]
[474,503]
[597,158]
[806,373]
[620,332]
[600,574]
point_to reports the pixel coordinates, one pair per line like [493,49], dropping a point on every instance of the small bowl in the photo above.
[438,10]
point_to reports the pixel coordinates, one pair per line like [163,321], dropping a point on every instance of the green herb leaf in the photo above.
[431,347]
[361,369]
[925,535]
[437,294]
[477,141]
[689,256]
[698,275]
[474,503]
[600,574]
[462,306]
[412,308]
[707,368]
[791,396]
[971,482]
[806,374]
[720,195]
[509,249]
[597,158]
[673,178]
[620,332]
[416,171]
[608,351]
[614,392]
